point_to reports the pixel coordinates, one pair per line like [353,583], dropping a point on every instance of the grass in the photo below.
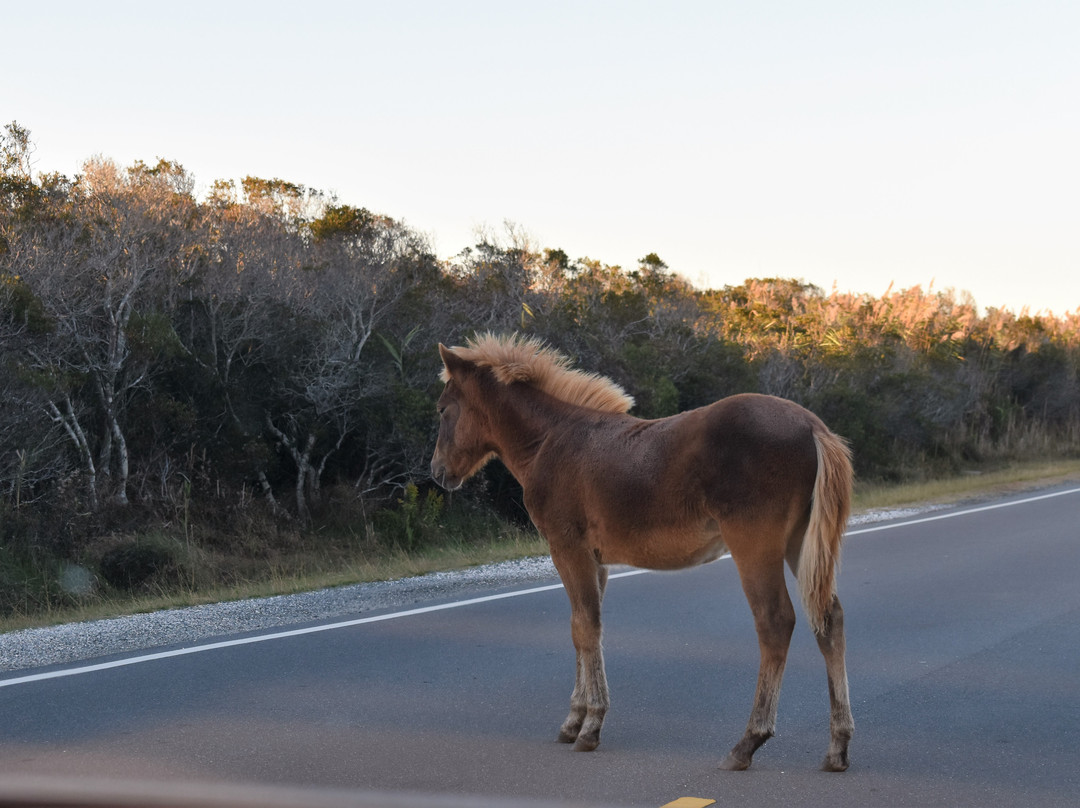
[308,571]
[1011,477]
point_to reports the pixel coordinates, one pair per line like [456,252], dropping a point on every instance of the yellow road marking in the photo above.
[689,802]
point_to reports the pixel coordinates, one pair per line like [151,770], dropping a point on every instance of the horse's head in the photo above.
[464,444]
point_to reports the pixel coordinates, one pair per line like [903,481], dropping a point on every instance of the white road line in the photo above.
[965,512]
[198,649]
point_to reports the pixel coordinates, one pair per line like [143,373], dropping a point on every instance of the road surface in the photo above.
[963,654]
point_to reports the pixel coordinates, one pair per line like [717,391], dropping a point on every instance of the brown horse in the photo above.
[757,476]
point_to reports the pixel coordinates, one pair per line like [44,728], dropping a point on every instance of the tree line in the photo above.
[268,349]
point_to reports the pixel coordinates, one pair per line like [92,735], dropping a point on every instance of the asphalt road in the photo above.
[963,654]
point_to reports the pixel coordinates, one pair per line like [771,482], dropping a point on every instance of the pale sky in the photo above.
[854,144]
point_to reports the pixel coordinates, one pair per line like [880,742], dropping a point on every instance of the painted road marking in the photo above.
[280,635]
[965,512]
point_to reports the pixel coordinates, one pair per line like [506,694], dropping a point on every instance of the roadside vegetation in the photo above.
[232,393]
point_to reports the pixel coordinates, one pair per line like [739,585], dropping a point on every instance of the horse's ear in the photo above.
[451,360]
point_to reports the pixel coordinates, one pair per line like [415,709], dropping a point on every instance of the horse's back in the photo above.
[747,441]
[638,486]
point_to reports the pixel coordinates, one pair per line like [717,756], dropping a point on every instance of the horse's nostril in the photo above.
[438,473]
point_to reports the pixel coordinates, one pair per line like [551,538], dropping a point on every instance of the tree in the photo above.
[97,264]
[354,281]
[30,449]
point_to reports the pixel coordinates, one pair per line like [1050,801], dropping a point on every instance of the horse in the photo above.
[757,476]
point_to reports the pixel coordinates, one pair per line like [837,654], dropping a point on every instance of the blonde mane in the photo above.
[515,358]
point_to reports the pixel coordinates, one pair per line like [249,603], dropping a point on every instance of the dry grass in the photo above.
[1013,477]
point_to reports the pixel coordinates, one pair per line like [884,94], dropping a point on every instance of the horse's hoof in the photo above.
[734,764]
[567,737]
[835,763]
[586,743]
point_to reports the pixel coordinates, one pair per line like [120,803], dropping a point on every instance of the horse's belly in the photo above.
[667,549]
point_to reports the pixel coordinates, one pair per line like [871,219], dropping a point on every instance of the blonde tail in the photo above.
[820,557]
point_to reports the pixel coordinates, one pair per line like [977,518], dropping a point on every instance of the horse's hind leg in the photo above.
[841,724]
[584,581]
[774,619]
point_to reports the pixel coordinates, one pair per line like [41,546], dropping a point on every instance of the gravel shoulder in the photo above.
[75,642]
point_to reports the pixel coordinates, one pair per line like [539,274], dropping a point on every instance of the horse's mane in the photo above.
[514,358]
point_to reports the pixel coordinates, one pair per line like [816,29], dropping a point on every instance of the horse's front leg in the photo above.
[584,580]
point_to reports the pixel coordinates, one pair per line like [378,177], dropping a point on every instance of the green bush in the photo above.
[415,522]
[146,564]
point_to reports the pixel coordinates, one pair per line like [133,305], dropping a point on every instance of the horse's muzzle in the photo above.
[439,475]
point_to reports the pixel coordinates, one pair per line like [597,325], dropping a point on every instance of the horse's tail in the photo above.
[829,510]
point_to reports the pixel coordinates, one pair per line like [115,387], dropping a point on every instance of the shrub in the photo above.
[145,564]
[415,522]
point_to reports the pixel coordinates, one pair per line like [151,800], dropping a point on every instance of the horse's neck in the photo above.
[521,419]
